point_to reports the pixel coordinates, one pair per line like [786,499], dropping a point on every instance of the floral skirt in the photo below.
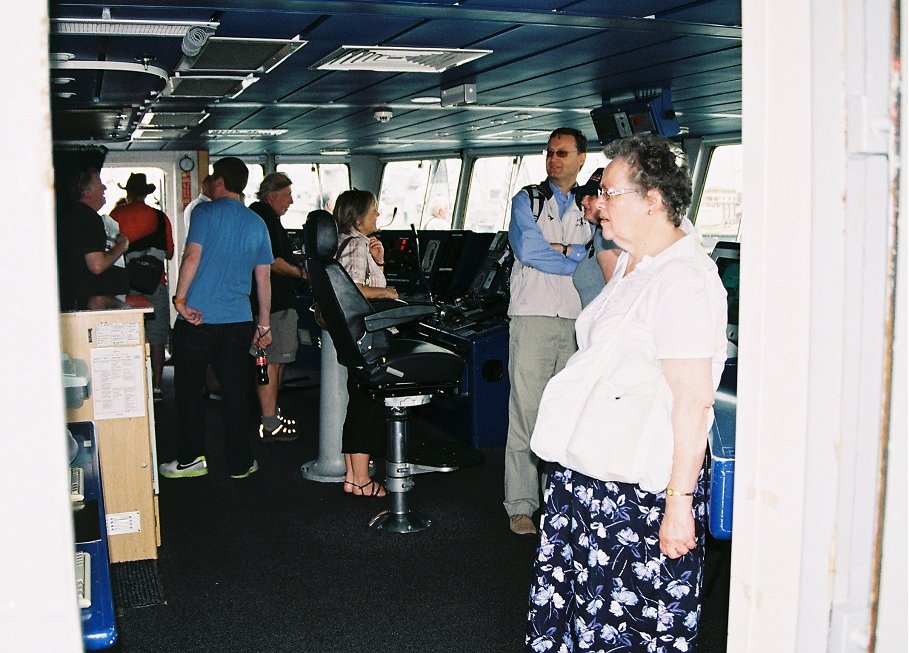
[600,581]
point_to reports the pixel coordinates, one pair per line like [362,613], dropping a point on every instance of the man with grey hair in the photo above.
[275,197]
[203,196]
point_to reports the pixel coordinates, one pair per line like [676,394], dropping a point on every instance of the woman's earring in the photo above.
[649,212]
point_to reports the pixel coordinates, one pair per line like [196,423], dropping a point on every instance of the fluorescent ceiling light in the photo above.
[102,27]
[426,99]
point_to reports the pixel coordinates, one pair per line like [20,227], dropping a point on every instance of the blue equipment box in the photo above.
[722,455]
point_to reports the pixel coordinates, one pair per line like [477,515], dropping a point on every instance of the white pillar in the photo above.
[38,610]
[813,341]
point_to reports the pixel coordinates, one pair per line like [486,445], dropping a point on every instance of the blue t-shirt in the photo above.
[234,241]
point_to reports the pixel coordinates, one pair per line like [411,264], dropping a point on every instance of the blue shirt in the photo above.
[234,241]
[528,243]
[588,276]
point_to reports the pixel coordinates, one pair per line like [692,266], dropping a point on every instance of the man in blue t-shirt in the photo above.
[227,246]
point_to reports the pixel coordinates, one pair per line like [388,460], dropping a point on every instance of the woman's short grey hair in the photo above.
[352,205]
[658,163]
[272,182]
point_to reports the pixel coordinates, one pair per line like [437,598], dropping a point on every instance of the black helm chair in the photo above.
[400,371]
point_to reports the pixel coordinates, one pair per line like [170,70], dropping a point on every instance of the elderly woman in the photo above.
[620,556]
[362,255]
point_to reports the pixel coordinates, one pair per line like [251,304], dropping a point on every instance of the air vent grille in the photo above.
[226,54]
[389,59]
[173,119]
[207,87]
[157,134]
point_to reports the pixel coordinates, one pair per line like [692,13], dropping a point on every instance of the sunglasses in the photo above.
[559,153]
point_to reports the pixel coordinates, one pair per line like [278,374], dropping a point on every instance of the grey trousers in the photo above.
[538,348]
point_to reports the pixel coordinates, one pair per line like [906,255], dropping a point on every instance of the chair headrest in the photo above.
[320,235]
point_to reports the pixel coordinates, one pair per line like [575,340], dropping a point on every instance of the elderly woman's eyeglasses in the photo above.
[609,193]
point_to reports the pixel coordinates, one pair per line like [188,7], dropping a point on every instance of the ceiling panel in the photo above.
[552,61]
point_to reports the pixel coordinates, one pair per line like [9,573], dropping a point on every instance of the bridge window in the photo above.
[719,209]
[315,186]
[421,193]
[495,180]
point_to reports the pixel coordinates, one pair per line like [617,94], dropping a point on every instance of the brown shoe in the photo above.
[521,525]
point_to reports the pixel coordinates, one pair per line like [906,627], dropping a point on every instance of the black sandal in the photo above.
[374,489]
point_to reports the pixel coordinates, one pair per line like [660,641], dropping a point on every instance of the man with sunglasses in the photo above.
[548,234]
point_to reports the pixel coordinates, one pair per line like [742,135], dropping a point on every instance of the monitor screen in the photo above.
[495,269]
[726,256]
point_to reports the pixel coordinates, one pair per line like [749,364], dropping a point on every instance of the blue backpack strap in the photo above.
[538,193]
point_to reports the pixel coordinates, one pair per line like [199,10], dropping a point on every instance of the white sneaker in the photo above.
[174,469]
[252,470]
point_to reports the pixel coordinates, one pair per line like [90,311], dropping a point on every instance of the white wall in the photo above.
[38,609]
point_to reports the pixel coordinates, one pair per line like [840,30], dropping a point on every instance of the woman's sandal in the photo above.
[374,489]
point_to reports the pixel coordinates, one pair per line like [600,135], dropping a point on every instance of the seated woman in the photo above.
[622,543]
[363,256]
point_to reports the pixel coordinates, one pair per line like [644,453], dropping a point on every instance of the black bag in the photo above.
[145,273]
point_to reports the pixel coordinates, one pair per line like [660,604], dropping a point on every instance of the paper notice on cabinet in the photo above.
[118,382]
[121,523]
[116,334]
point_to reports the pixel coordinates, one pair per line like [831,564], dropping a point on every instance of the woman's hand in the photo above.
[391,293]
[377,250]
[677,528]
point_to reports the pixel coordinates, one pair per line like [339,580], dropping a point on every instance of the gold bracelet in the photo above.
[179,302]
[675,493]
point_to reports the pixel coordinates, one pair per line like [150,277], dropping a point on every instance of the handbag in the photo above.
[145,269]
[608,416]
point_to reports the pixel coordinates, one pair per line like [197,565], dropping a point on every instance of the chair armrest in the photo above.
[391,313]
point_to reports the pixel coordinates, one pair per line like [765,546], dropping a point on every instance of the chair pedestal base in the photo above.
[323,471]
[398,472]
[329,467]
[408,522]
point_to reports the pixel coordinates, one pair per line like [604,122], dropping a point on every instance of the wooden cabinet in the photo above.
[111,346]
